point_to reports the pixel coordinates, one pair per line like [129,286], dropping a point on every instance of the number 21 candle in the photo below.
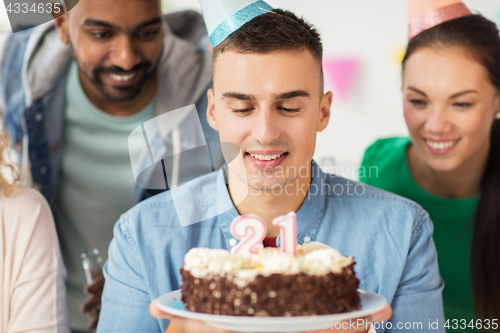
[251,230]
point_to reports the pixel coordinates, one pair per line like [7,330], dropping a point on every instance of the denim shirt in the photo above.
[389,237]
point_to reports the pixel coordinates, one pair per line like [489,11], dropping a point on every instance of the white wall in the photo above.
[373,32]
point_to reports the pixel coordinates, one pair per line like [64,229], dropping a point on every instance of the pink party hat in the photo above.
[425,14]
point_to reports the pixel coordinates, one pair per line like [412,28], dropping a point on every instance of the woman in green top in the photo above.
[451,163]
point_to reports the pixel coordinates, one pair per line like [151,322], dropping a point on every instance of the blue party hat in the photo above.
[223,17]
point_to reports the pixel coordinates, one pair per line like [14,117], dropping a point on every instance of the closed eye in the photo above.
[288,109]
[418,102]
[242,110]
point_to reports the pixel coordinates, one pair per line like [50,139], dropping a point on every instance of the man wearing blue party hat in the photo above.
[268,99]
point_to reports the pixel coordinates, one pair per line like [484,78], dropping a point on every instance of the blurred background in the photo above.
[364,42]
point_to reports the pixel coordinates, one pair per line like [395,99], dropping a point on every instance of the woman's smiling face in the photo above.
[449,106]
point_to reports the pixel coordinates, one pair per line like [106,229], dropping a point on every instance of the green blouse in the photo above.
[385,166]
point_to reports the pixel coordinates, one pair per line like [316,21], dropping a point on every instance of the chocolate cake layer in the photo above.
[274,295]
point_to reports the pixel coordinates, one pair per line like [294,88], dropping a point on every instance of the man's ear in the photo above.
[211,110]
[61,22]
[324,111]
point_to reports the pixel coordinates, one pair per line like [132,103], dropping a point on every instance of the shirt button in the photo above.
[38,117]
[307,239]
[43,170]
[232,242]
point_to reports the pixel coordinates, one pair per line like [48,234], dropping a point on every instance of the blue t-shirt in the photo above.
[96,183]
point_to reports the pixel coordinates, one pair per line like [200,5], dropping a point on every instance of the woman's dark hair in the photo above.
[480,38]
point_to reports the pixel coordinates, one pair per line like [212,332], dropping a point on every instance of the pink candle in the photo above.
[288,226]
[250,230]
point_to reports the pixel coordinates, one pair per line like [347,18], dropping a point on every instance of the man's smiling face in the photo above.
[269,105]
[116,43]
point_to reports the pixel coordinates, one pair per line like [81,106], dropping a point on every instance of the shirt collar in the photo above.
[309,216]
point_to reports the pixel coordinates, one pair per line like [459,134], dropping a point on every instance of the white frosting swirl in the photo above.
[273,260]
[308,247]
[312,258]
[322,261]
[200,257]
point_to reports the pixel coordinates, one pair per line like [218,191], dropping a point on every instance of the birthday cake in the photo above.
[317,280]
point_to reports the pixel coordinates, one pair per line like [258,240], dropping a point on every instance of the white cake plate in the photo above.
[370,303]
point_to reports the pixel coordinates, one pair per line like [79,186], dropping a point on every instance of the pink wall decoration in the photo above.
[343,73]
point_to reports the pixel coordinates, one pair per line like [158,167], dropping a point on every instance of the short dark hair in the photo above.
[278,30]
